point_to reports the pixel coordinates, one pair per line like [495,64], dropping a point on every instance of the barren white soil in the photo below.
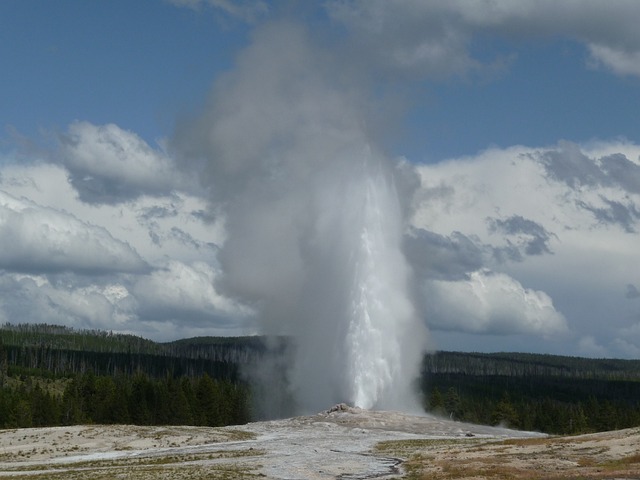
[346,443]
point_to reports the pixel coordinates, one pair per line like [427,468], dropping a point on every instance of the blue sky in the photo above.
[143,65]
[140,142]
[546,93]
[137,64]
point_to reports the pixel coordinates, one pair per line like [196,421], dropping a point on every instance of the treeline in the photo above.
[54,351]
[66,338]
[55,338]
[97,399]
[53,362]
[52,375]
[560,395]
[530,364]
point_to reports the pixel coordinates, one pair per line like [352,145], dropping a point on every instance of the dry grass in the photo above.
[222,464]
[148,472]
[598,456]
[155,453]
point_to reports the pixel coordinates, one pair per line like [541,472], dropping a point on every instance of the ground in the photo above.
[343,443]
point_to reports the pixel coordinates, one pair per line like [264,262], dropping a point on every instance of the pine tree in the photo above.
[505,413]
[207,394]
[178,404]
[436,402]
[452,404]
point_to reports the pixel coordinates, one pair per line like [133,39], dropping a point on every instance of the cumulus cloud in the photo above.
[185,294]
[42,239]
[489,302]
[613,180]
[37,299]
[572,200]
[165,304]
[64,270]
[107,164]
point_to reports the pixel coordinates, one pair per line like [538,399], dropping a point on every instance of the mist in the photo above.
[314,224]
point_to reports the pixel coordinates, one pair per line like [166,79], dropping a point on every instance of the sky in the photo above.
[136,139]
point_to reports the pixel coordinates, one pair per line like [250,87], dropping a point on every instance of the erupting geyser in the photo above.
[313,221]
[381,319]
[359,340]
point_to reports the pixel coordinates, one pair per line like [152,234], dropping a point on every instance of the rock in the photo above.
[340,407]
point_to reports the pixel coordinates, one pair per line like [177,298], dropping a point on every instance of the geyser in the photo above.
[381,319]
[313,220]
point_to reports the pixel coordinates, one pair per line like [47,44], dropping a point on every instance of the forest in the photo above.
[52,375]
[547,393]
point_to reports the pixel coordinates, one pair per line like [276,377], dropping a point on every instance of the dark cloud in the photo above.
[569,165]
[156,211]
[622,171]
[188,241]
[435,256]
[632,292]
[614,213]
[206,216]
[507,253]
[532,236]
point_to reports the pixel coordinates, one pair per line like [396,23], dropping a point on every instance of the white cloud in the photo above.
[178,225]
[490,303]
[36,238]
[561,219]
[620,61]
[59,268]
[185,293]
[110,165]
[628,340]
[35,299]
[175,302]
[245,10]
[433,37]
[589,347]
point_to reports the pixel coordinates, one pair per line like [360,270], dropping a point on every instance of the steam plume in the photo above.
[314,224]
